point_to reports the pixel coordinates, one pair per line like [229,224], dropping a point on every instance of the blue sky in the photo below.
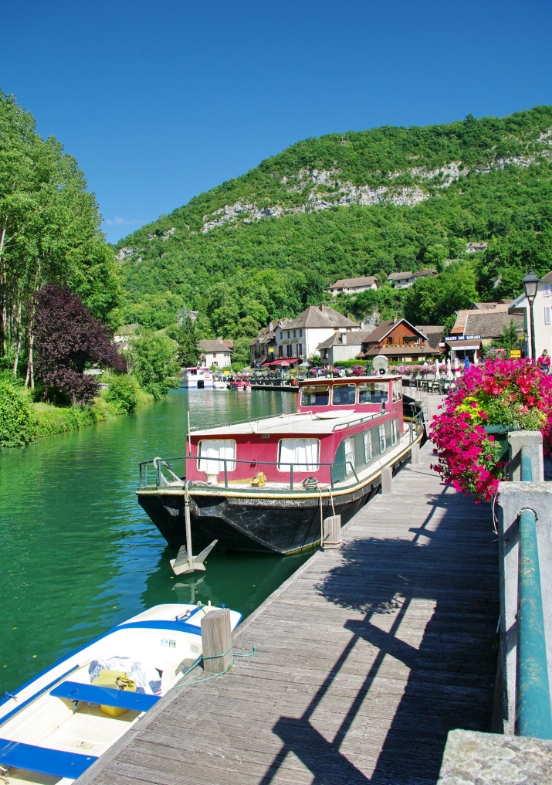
[161,100]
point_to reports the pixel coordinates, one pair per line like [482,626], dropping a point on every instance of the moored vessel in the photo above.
[197,378]
[264,486]
[57,725]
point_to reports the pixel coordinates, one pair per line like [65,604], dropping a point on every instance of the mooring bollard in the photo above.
[332,532]
[216,637]
[386,480]
[415,453]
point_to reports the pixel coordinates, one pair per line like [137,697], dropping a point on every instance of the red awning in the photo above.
[282,361]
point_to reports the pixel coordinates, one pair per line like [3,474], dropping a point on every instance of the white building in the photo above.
[542,316]
[353,285]
[406,279]
[215,353]
[301,337]
[342,346]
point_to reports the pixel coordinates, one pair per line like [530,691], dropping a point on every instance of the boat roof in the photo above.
[348,379]
[323,422]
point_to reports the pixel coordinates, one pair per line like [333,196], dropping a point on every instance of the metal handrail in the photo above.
[533,710]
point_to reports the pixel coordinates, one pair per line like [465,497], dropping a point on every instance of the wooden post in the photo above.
[331,534]
[415,453]
[216,637]
[386,481]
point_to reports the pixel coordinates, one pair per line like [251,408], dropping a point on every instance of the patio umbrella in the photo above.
[449,369]
[456,366]
[437,374]
[304,365]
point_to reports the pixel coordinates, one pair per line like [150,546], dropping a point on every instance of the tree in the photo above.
[49,231]
[155,363]
[187,337]
[68,338]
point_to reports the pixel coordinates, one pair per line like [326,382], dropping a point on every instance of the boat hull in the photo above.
[254,524]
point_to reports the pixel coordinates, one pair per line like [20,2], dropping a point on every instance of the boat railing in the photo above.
[171,472]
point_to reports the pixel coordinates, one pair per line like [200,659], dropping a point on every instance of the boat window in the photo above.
[349,444]
[397,390]
[382,439]
[373,392]
[302,454]
[344,394]
[213,453]
[368,446]
[315,395]
[394,431]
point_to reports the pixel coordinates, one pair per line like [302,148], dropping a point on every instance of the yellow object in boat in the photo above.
[259,480]
[115,680]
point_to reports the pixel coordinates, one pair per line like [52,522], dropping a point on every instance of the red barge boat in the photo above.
[262,486]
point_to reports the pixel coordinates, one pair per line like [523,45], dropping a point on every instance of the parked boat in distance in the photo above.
[263,486]
[57,725]
[196,378]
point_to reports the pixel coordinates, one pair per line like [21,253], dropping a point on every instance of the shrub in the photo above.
[155,364]
[123,393]
[514,394]
[18,424]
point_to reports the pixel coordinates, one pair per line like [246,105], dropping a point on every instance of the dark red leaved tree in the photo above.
[67,338]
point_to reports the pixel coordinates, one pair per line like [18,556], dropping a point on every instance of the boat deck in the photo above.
[309,422]
[366,658]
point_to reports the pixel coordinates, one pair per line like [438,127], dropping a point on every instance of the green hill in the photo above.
[265,245]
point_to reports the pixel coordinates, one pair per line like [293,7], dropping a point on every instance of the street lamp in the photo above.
[530,286]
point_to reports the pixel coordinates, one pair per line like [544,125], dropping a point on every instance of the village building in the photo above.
[542,316]
[124,335]
[353,285]
[400,341]
[474,247]
[297,340]
[479,326]
[342,346]
[406,279]
[215,353]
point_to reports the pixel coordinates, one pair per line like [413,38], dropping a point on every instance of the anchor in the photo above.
[185,561]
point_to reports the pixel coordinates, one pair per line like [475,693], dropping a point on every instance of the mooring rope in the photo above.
[212,657]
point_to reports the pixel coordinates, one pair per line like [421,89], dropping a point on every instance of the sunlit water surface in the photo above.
[79,555]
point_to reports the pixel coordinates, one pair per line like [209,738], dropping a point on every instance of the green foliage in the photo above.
[186,336]
[49,224]
[247,271]
[155,363]
[240,355]
[123,393]
[432,300]
[17,420]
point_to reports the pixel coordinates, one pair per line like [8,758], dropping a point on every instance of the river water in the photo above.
[79,555]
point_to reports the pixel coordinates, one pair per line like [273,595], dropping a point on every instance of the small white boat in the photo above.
[218,384]
[58,724]
[196,378]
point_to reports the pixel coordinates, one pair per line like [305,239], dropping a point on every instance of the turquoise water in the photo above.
[79,555]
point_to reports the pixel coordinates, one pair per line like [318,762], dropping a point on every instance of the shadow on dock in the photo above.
[451,672]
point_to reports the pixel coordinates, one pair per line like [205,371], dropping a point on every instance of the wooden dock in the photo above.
[365,659]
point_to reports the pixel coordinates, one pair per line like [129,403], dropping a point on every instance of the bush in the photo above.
[18,425]
[123,393]
[155,364]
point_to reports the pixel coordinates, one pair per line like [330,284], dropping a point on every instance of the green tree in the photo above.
[155,364]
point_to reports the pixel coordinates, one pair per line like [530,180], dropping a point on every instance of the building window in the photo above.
[546,290]
[213,453]
[300,350]
[294,334]
[214,354]
[280,351]
[547,314]
[289,348]
[302,454]
[382,439]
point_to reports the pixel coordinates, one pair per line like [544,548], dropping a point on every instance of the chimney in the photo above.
[323,308]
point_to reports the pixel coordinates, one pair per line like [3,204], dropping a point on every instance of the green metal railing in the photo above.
[533,711]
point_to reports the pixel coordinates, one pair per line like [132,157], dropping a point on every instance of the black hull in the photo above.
[251,524]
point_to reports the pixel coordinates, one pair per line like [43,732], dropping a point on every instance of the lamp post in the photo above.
[530,286]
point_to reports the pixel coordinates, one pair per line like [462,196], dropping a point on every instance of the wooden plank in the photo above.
[366,657]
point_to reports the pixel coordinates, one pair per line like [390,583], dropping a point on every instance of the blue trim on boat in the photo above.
[174,626]
[108,696]
[36,694]
[44,760]
[76,651]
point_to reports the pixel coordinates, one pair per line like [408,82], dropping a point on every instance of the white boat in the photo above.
[196,378]
[58,724]
[218,384]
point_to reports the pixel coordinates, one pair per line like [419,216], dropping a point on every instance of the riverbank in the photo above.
[23,421]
